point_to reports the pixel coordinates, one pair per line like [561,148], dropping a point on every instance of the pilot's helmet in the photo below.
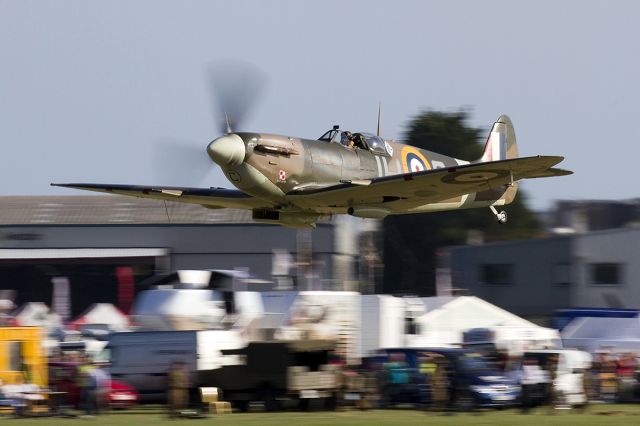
[348,134]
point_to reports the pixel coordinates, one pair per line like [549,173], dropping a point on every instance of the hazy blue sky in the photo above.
[88,88]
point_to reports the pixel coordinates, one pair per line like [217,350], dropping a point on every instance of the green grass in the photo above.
[597,415]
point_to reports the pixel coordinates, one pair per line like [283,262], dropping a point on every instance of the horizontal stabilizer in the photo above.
[552,172]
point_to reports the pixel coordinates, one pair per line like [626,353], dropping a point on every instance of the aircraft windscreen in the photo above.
[376,143]
[330,135]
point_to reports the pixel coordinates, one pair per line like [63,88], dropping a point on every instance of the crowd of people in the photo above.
[614,377]
[74,383]
[439,383]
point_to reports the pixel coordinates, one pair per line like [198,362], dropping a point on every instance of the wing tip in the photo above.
[561,172]
[67,185]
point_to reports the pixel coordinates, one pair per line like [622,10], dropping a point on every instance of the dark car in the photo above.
[472,381]
[63,376]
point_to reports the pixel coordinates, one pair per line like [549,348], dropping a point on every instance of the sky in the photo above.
[91,91]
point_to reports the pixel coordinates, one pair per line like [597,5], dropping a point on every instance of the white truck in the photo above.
[142,358]
[360,324]
[383,319]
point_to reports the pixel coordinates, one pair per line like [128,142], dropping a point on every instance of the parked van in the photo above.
[142,358]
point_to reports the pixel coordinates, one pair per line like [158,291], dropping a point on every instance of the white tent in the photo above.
[36,314]
[445,323]
[591,334]
[103,314]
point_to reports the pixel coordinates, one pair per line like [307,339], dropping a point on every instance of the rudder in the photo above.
[501,143]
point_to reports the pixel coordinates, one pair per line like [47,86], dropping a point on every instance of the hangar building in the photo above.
[95,242]
[531,278]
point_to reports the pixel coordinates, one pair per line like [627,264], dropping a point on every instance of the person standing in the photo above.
[440,386]
[87,384]
[531,378]
[552,371]
[103,387]
[426,368]
[178,392]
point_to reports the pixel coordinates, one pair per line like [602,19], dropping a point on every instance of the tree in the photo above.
[412,241]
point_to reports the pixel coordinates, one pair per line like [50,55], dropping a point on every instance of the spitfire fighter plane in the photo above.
[293,181]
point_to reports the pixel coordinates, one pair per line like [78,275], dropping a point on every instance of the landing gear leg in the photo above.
[501,217]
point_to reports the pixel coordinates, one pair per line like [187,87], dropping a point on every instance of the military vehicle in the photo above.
[277,373]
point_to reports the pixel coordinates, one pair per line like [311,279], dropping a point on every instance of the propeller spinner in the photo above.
[227,151]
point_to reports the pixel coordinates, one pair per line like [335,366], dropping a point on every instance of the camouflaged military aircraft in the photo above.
[293,181]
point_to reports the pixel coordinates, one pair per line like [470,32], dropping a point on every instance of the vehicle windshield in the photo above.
[475,363]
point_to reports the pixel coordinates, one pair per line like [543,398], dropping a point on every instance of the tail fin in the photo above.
[501,143]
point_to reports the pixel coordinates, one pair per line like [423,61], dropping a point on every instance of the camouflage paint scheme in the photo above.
[293,181]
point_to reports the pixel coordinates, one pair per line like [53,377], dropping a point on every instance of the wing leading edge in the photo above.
[208,197]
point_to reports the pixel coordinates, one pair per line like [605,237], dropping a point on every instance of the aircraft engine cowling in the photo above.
[368,212]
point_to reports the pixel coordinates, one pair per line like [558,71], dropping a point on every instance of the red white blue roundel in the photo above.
[413,160]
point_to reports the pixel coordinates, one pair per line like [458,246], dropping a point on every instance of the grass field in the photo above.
[597,415]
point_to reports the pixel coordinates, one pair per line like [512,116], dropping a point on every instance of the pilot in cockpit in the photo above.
[359,141]
[347,139]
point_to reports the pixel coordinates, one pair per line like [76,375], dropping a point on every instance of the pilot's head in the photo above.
[348,135]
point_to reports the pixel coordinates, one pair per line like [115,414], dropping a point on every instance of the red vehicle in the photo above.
[63,376]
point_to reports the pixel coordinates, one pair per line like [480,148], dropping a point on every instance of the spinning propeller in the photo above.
[233,89]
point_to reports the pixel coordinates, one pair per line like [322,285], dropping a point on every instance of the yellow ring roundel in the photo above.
[413,160]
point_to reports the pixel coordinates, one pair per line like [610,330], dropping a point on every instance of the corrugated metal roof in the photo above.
[91,209]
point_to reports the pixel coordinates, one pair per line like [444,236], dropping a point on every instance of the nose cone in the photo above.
[227,150]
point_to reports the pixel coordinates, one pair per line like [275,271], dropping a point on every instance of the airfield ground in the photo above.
[598,415]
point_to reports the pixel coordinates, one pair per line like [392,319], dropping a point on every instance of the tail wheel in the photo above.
[502,217]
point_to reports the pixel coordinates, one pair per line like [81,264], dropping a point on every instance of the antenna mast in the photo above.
[378,128]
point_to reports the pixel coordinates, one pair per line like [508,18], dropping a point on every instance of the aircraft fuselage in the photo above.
[276,165]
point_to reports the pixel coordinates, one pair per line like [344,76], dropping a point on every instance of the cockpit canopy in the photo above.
[332,135]
[368,141]
[377,144]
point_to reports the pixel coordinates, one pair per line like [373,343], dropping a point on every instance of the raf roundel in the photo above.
[413,160]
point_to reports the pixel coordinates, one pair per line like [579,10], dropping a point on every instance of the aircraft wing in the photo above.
[208,197]
[404,191]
